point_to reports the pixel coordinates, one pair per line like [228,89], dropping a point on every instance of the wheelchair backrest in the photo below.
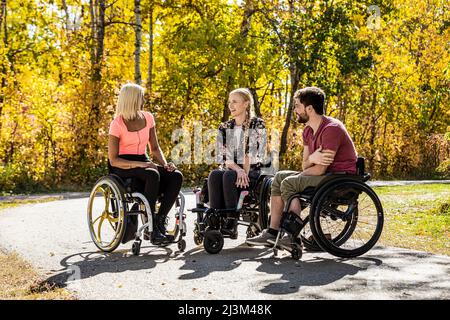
[109,167]
[360,166]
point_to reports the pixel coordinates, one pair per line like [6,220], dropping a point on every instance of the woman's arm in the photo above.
[155,148]
[157,152]
[115,161]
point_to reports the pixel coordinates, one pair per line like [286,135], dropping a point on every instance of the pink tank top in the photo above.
[134,142]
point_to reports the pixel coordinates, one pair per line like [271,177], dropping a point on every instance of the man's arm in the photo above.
[306,163]
[319,162]
[315,170]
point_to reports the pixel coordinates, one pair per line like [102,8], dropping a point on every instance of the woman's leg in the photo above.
[170,185]
[150,178]
[231,197]
[230,191]
[215,189]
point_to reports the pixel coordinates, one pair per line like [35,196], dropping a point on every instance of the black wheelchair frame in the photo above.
[253,211]
[336,191]
[209,224]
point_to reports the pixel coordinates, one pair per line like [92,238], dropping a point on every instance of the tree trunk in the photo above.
[2,12]
[93,14]
[137,42]
[243,33]
[256,101]
[66,11]
[295,79]
[150,55]
[226,111]
[100,38]
[97,12]
[3,65]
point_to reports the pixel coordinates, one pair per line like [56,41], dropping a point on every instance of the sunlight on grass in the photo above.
[417,217]
[18,280]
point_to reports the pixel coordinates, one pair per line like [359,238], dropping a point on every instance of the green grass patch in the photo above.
[14,203]
[417,217]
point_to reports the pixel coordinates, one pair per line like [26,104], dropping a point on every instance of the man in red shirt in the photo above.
[327,148]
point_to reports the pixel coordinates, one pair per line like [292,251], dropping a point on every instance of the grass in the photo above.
[18,280]
[14,203]
[417,217]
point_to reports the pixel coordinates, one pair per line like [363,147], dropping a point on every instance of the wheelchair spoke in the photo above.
[111,218]
[106,195]
[364,222]
[112,226]
[97,219]
[99,229]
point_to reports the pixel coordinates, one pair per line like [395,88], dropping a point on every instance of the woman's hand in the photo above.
[170,166]
[242,180]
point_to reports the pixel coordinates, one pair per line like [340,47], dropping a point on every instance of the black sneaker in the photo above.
[230,228]
[158,238]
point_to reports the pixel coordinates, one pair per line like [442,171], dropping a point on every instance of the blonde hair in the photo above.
[247,96]
[130,101]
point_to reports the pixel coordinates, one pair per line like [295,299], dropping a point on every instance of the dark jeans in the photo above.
[153,183]
[222,190]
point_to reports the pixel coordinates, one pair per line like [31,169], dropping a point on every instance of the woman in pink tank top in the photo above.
[131,131]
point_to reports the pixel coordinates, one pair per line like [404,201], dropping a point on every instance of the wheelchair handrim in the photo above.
[334,247]
[106,215]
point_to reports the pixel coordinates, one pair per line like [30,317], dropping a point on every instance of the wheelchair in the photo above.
[252,211]
[114,203]
[345,217]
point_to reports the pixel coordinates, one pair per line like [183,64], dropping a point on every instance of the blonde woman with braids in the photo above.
[131,131]
[240,149]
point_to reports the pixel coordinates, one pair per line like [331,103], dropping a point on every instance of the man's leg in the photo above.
[290,186]
[276,200]
[276,209]
[295,184]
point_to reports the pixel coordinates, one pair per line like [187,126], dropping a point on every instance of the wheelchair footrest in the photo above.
[291,223]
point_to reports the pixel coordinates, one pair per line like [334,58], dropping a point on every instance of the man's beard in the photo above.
[302,118]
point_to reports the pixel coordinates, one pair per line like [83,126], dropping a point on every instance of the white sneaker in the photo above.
[284,242]
[261,239]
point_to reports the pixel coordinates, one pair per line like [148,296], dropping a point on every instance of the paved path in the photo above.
[54,237]
[77,195]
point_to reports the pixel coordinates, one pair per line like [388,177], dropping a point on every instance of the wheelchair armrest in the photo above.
[366,176]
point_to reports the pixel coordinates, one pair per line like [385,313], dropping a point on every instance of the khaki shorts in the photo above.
[286,183]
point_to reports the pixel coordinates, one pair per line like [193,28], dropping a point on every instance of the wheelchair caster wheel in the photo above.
[275,252]
[136,248]
[198,239]
[213,241]
[181,245]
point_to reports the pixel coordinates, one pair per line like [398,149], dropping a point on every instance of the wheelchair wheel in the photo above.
[264,203]
[106,214]
[307,237]
[347,219]
[213,241]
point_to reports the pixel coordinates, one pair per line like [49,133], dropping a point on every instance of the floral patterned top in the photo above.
[231,140]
